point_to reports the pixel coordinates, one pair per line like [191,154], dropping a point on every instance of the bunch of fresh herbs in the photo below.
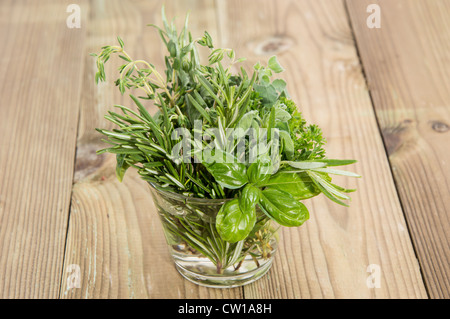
[290,167]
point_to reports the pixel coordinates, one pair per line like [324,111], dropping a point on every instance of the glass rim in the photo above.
[188,199]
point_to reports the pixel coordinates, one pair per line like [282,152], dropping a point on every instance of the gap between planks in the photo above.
[363,70]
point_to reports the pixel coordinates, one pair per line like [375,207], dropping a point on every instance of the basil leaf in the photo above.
[229,175]
[299,185]
[249,197]
[232,223]
[283,208]
[260,171]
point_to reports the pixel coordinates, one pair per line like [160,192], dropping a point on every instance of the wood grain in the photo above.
[40,90]
[61,205]
[407,66]
[115,234]
[328,257]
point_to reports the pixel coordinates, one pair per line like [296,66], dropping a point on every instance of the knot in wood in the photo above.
[273,45]
[439,127]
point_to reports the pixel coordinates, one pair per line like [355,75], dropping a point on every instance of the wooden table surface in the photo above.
[381,95]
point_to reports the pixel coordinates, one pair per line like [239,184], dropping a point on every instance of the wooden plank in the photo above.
[329,256]
[40,89]
[407,67]
[115,236]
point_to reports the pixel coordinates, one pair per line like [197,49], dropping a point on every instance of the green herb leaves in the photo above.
[299,185]
[317,171]
[274,65]
[261,170]
[290,161]
[283,208]
[229,175]
[249,197]
[233,223]
[236,219]
[121,166]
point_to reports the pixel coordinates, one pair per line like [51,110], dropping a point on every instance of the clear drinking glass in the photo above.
[200,255]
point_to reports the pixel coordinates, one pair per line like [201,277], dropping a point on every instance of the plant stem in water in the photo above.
[219,268]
